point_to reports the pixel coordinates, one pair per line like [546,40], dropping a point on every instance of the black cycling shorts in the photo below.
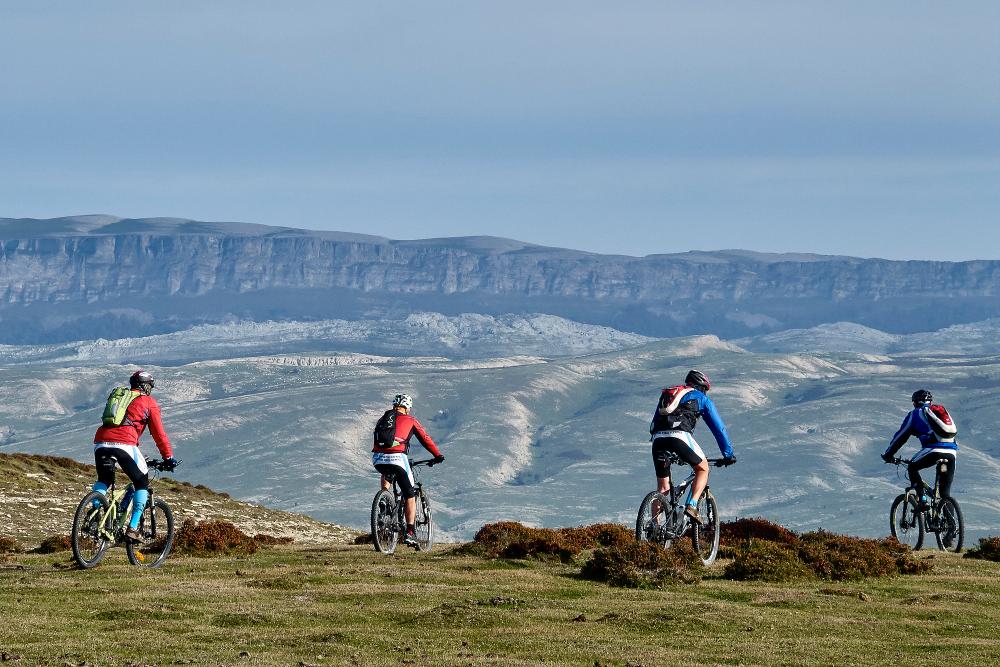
[105,459]
[685,447]
[401,477]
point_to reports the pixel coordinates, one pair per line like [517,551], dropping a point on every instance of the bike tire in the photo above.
[157,528]
[424,524]
[88,546]
[951,537]
[905,522]
[385,531]
[652,526]
[705,538]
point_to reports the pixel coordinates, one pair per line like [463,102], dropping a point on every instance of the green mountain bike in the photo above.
[389,522]
[909,521]
[101,519]
[661,516]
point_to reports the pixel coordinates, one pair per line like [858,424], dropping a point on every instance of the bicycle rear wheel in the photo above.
[951,528]
[89,545]
[652,523]
[424,524]
[905,522]
[705,538]
[157,529]
[385,531]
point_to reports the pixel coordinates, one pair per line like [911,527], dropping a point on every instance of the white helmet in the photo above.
[403,400]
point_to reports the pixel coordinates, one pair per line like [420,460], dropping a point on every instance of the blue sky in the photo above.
[857,128]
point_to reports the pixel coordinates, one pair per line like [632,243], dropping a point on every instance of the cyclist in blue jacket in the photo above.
[935,429]
[676,415]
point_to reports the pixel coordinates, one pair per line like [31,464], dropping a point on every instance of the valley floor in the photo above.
[309,605]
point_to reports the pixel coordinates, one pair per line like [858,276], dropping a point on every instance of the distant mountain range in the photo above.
[97,276]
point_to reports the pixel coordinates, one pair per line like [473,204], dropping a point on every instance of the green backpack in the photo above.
[118,401]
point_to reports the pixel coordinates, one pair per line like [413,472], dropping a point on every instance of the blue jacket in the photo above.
[916,424]
[706,409]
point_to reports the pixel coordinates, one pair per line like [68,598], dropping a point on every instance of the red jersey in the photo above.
[142,411]
[406,427]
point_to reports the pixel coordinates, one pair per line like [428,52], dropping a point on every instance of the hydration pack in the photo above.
[385,429]
[118,401]
[673,413]
[941,423]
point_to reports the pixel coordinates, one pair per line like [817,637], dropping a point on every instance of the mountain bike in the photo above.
[102,518]
[909,521]
[389,520]
[661,517]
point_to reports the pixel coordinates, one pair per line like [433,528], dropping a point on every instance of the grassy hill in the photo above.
[320,601]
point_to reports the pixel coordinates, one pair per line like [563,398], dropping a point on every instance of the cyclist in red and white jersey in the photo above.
[393,460]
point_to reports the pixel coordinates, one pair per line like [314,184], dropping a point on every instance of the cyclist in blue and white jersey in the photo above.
[676,415]
[934,428]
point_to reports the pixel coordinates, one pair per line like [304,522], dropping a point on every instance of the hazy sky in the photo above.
[863,128]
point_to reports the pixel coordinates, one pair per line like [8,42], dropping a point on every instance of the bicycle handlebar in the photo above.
[718,463]
[162,465]
[425,462]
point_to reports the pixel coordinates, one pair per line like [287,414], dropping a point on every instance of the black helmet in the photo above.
[922,396]
[141,380]
[698,380]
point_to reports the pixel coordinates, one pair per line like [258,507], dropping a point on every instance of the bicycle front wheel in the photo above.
[385,531]
[705,538]
[156,526]
[905,522]
[424,524]
[652,523]
[88,540]
[951,528]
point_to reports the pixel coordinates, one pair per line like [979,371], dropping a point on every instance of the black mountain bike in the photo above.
[661,517]
[909,521]
[101,519]
[389,521]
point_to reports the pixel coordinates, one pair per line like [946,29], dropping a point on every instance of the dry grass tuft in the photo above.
[987,549]
[213,538]
[644,565]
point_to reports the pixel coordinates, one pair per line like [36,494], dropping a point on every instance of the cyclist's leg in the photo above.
[105,464]
[949,472]
[686,447]
[134,465]
[924,459]
[661,466]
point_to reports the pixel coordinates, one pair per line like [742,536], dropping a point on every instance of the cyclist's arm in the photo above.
[157,431]
[718,428]
[425,439]
[902,435]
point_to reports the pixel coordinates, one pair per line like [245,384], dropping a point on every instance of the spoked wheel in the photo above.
[905,522]
[385,531]
[950,533]
[652,524]
[705,538]
[89,545]
[157,529]
[424,524]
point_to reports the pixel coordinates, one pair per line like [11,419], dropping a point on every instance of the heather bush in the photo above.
[364,538]
[8,545]
[509,539]
[764,560]
[53,544]
[213,538]
[987,549]
[265,540]
[733,533]
[644,565]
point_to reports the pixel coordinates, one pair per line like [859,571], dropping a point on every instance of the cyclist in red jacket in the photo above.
[392,459]
[120,444]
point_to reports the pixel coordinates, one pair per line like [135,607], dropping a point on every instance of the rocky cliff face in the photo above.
[161,267]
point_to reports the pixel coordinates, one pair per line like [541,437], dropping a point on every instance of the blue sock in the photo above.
[98,486]
[138,504]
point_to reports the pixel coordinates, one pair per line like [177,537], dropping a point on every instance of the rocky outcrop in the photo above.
[100,260]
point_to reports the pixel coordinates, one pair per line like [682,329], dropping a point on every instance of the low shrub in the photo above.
[764,560]
[53,544]
[8,545]
[510,539]
[364,538]
[987,549]
[213,538]
[266,540]
[644,565]
[734,533]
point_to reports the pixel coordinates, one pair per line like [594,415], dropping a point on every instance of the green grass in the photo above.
[348,605]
